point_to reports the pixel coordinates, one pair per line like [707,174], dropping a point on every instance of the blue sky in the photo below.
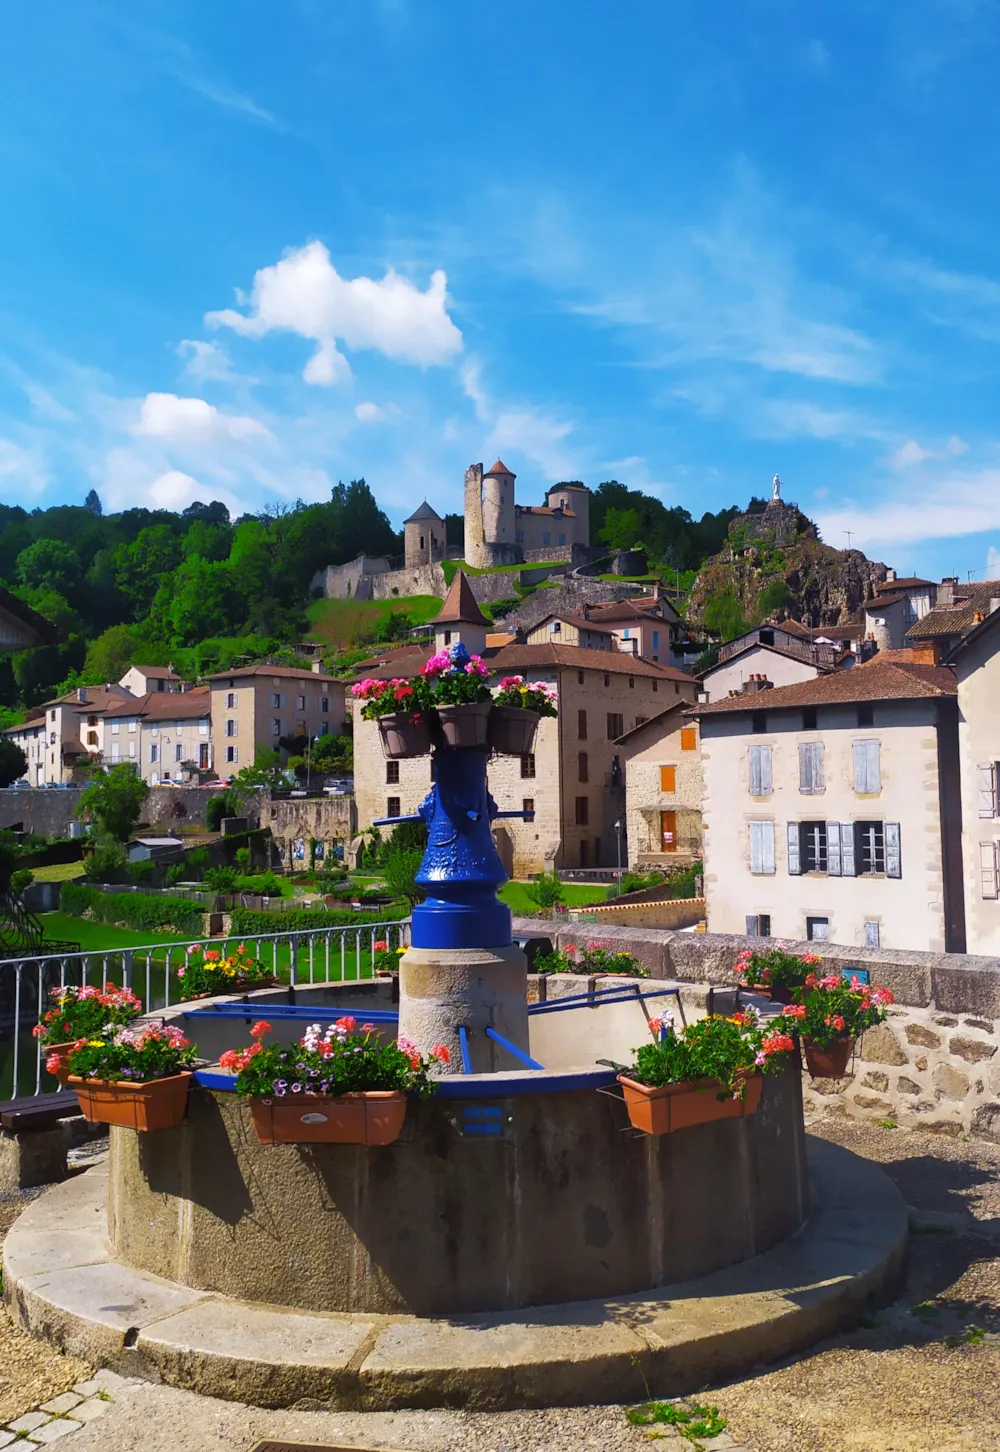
[249,249]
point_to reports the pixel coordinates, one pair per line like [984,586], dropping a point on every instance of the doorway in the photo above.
[668,831]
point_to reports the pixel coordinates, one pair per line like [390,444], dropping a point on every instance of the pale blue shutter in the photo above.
[988,868]
[811,767]
[762,848]
[893,859]
[873,771]
[755,848]
[986,789]
[847,868]
[753,926]
[872,935]
[794,856]
[833,849]
[755,787]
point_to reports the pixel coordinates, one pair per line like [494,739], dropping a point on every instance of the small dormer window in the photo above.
[447,637]
[556,627]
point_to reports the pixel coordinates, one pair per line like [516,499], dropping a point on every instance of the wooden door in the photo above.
[668,831]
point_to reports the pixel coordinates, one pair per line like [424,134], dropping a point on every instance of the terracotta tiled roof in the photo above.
[99,699]
[460,604]
[876,680]
[544,509]
[908,582]
[166,705]
[793,627]
[835,632]
[496,640]
[960,618]
[501,468]
[270,670]
[880,602]
[524,657]
[625,610]
[578,620]
[403,667]
[158,673]
[789,652]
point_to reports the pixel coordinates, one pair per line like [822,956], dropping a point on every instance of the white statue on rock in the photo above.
[775,490]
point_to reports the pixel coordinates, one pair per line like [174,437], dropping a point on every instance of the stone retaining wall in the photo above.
[677,912]
[934,1065]
[50,811]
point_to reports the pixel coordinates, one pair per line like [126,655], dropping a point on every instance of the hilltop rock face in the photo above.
[774,567]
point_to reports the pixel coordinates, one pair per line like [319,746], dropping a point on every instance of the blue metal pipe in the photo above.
[267,1010]
[513,1049]
[463,1044]
[595,1000]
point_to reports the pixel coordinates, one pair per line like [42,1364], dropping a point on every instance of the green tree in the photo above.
[52,566]
[400,870]
[141,566]
[13,762]
[111,654]
[621,528]
[332,755]
[93,503]
[774,596]
[546,891]
[724,617]
[203,598]
[114,802]
[263,776]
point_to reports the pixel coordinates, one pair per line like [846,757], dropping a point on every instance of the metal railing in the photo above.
[311,955]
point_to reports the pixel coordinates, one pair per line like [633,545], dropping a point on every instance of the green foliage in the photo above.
[691,1419]
[400,870]
[81,1013]
[229,879]
[640,881]
[107,862]
[208,970]
[774,596]
[243,858]
[13,762]
[546,891]
[115,801]
[264,775]
[332,755]
[218,807]
[344,1060]
[21,879]
[137,1056]
[249,922]
[723,615]
[621,528]
[142,872]
[670,535]
[131,910]
[723,1049]
[403,837]
[590,961]
[176,873]
[199,858]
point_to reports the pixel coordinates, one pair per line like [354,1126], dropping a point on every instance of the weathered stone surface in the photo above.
[986,1122]
[950,1127]
[875,1080]
[973,988]
[881,1046]
[917,1033]
[906,1086]
[946,1022]
[950,1083]
[920,1062]
[868,1101]
[828,1086]
[974,1051]
[983,1024]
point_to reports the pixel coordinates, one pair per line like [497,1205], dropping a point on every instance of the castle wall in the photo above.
[340,582]
[475,539]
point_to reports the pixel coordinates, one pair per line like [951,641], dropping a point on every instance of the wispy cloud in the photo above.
[946,507]
[911,454]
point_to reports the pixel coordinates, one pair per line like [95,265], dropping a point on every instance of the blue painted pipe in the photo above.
[463,1044]
[513,1049]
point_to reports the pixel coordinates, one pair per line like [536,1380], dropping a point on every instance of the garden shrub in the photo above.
[131,910]
[251,923]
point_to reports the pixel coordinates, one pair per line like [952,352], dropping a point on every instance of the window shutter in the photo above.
[893,861]
[752,926]
[986,789]
[811,767]
[756,855]
[847,868]
[767,853]
[860,767]
[833,849]
[794,855]
[874,773]
[872,935]
[762,848]
[755,786]
[988,869]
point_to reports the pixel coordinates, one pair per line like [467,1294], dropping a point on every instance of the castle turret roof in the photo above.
[426,511]
[460,604]
[501,468]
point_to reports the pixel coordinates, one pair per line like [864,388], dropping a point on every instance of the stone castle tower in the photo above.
[489,517]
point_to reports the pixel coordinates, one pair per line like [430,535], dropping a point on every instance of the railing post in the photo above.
[294,947]
[127,970]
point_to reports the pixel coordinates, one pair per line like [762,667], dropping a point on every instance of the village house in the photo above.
[663,789]
[572,630]
[957,611]
[898,604]
[831,809]
[60,734]
[167,735]
[784,654]
[272,707]
[574,781]
[649,626]
[143,680]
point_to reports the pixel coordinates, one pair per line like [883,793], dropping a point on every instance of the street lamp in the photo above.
[618,834]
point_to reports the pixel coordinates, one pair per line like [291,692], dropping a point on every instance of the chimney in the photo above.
[926,652]
[978,617]
[317,667]
[890,575]
[756,683]
[994,603]
[946,590]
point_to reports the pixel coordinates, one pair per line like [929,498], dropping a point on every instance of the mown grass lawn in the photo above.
[344,622]
[575,894]
[58,872]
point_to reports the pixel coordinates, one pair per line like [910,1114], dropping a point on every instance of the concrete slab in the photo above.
[49,1250]
[54,1431]
[847,1257]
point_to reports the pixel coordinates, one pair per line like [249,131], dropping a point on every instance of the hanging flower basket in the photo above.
[372,1117]
[512,730]
[681,1106]
[830,1062]
[465,725]
[57,1060]
[160,1104]
[404,735]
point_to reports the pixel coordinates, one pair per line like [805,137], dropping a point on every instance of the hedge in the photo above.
[132,910]
[252,923]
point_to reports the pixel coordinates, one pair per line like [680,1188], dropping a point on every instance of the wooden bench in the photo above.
[35,1133]
[37,1111]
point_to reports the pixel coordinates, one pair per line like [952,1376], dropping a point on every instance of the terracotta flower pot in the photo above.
[371,1118]
[512,730]
[404,735]
[680,1106]
[777,994]
[63,1050]
[830,1062]
[158,1104]
[466,725]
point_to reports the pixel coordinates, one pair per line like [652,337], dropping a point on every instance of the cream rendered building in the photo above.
[161,734]
[258,706]
[571,630]
[831,809]
[977,665]
[783,657]
[663,789]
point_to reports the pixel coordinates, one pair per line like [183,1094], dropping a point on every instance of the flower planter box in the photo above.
[158,1104]
[372,1118]
[512,731]
[63,1051]
[681,1106]
[466,725]
[233,985]
[404,736]
[778,994]
[830,1062]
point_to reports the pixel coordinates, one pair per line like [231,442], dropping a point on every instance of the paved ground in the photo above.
[925,1377]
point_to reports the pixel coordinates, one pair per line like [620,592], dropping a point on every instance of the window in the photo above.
[52,738]
[231,728]
[809,718]
[641,720]
[579,678]
[656,640]
[203,755]
[872,934]
[631,683]
[421,541]
[818,930]
[276,699]
[392,807]
[562,539]
[689,738]
[527,804]
[300,703]
[231,701]
[762,848]
[986,788]
[300,728]
[131,750]
[656,687]
[867,775]
[758,722]
[581,763]
[812,846]
[546,538]
[616,725]
[607,679]
[392,772]
[766,637]
[760,771]
[866,717]
[155,730]
[811,768]
[989,869]
[116,751]
[447,637]
[154,753]
[528,765]
[275,726]
[668,778]
[131,724]
[626,632]
[581,811]
[758,925]
[52,715]
[869,847]
[581,725]
[178,752]
[114,728]
[324,704]
[203,726]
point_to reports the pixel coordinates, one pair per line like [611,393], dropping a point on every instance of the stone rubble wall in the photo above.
[934,1065]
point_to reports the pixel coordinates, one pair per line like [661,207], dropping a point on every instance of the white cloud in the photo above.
[22,469]
[193,421]
[304,294]
[946,507]
[538,436]
[992,564]
[376,413]
[205,360]
[911,454]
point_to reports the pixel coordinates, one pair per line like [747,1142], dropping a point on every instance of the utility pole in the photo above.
[850,535]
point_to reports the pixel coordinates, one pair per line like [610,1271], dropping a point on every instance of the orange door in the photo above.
[668,831]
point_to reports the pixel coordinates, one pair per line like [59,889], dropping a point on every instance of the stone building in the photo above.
[263,706]
[663,788]
[59,735]
[572,630]
[309,831]
[831,809]
[423,537]
[977,665]
[649,625]
[783,655]
[167,735]
[897,605]
[499,531]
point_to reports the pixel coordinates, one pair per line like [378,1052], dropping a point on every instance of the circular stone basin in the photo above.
[503,1191]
